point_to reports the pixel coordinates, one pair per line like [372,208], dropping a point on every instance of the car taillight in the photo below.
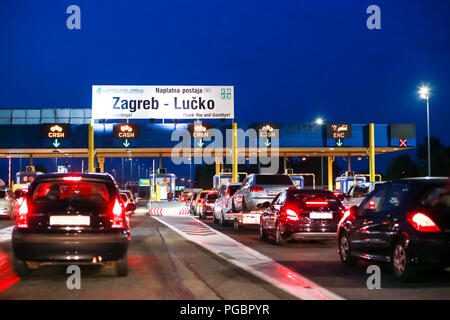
[345,215]
[372,205]
[291,215]
[118,217]
[292,188]
[22,218]
[256,189]
[421,222]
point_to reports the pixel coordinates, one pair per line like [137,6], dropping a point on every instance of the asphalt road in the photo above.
[163,266]
[319,262]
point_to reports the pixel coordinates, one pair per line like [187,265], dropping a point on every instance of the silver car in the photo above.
[358,192]
[223,203]
[9,207]
[257,189]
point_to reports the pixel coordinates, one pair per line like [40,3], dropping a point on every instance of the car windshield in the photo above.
[438,196]
[273,180]
[62,190]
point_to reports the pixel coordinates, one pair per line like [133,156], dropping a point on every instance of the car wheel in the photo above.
[236,225]
[262,233]
[233,207]
[20,267]
[279,241]
[222,219]
[400,263]
[122,266]
[345,252]
[214,219]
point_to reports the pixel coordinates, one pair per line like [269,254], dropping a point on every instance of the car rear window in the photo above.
[232,189]
[273,180]
[2,193]
[71,191]
[360,190]
[212,196]
[315,195]
[438,196]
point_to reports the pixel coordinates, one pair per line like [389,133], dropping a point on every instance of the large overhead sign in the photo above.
[400,133]
[162,102]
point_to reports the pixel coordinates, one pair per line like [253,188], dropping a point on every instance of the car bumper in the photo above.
[316,230]
[430,252]
[69,248]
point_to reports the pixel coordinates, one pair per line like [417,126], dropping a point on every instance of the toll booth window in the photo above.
[81,191]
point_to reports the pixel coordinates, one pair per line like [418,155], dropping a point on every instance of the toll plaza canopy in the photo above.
[24,136]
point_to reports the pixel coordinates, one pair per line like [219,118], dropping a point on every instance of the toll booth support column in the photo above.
[31,159]
[235,155]
[217,165]
[160,161]
[330,173]
[349,163]
[91,153]
[101,163]
[372,152]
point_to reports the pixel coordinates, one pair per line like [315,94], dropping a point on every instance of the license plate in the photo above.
[273,193]
[70,220]
[250,220]
[321,215]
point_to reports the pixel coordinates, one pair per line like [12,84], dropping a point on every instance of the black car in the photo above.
[72,219]
[403,222]
[301,214]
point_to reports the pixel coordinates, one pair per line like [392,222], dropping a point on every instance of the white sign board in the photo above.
[162,102]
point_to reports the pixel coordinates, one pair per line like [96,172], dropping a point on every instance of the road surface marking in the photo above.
[248,259]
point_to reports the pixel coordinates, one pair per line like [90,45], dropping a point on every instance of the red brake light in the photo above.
[22,218]
[291,215]
[346,214]
[372,204]
[292,188]
[256,189]
[421,222]
[118,219]
[72,178]
[316,203]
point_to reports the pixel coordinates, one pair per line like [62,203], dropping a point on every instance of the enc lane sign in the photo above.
[339,131]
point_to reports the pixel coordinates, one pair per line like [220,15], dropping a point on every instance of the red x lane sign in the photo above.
[403,143]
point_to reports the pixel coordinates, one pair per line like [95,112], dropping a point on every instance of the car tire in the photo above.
[345,253]
[262,233]
[244,206]
[222,219]
[279,241]
[402,268]
[122,266]
[20,267]
[214,219]
[236,225]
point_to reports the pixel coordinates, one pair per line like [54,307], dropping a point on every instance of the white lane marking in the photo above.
[249,259]
[5,234]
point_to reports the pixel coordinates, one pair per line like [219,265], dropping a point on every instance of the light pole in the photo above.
[319,121]
[424,92]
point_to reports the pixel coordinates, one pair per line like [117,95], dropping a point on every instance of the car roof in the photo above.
[423,180]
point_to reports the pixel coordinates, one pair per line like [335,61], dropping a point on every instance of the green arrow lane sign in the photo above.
[126,144]
[268,143]
[56,144]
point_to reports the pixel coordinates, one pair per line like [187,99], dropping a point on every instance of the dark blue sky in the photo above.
[288,60]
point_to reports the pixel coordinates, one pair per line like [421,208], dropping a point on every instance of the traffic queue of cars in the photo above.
[405,223]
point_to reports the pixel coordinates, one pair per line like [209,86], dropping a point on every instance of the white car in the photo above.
[9,207]
[223,204]
[358,192]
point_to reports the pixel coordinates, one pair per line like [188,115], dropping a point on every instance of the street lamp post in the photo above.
[425,94]
[319,121]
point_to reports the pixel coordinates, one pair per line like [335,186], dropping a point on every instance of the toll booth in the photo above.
[346,180]
[298,180]
[163,185]
[226,177]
